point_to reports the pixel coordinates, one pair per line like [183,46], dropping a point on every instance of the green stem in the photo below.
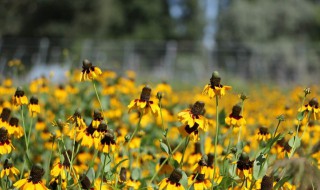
[104,164]
[216,138]
[136,129]
[97,95]
[50,156]
[275,131]
[162,123]
[184,150]
[30,128]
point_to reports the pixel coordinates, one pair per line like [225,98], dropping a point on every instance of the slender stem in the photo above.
[97,95]
[240,127]
[104,164]
[30,128]
[216,138]
[162,123]
[275,131]
[24,128]
[136,129]
[7,182]
[50,156]
[184,150]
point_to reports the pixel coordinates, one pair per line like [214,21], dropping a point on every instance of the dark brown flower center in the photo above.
[267,183]
[197,148]
[19,92]
[314,102]
[102,127]
[7,164]
[263,131]
[3,135]
[162,159]
[5,114]
[14,121]
[108,139]
[145,94]
[200,177]
[36,174]
[123,174]
[97,115]
[236,110]
[176,175]
[34,100]
[86,65]
[197,108]
[244,163]
[85,182]
[210,159]
[215,81]
[203,161]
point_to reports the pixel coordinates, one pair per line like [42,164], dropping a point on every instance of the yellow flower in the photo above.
[34,106]
[89,72]
[107,143]
[235,119]
[199,182]
[14,128]
[194,115]
[9,169]
[144,104]
[244,167]
[263,134]
[172,183]
[5,143]
[61,168]
[33,181]
[312,106]
[192,132]
[19,98]
[215,88]
[4,117]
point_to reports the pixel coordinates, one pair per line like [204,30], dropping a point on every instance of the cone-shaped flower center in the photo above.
[244,163]
[19,92]
[123,174]
[176,175]
[263,131]
[36,174]
[203,161]
[3,135]
[197,148]
[267,183]
[145,94]
[200,177]
[313,102]
[5,114]
[86,65]
[108,139]
[236,110]
[197,108]
[210,159]
[14,121]
[34,100]
[102,127]
[7,164]
[97,115]
[85,182]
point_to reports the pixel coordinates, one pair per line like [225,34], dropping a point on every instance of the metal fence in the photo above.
[187,62]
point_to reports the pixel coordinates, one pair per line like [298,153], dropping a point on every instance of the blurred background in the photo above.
[173,40]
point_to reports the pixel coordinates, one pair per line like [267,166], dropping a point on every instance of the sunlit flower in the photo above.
[263,134]
[61,168]
[199,182]
[107,143]
[4,117]
[192,132]
[244,167]
[194,115]
[235,119]
[202,166]
[19,98]
[210,173]
[215,88]
[34,106]
[144,104]
[60,94]
[9,169]
[33,181]
[5,143]
[89,72]
[97,118]
[14,128]
[172,183]
[312,106]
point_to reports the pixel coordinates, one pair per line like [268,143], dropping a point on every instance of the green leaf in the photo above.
[91,174]
[184,180]
[135,173]
[164,147]
[294,142]
[281,182]
[222,116]
[300,116]
[227,182]
[174,162]
[260,167]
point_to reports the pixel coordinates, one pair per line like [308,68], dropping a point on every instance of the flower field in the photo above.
[99,130]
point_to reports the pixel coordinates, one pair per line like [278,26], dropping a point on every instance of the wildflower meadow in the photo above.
[99,130]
